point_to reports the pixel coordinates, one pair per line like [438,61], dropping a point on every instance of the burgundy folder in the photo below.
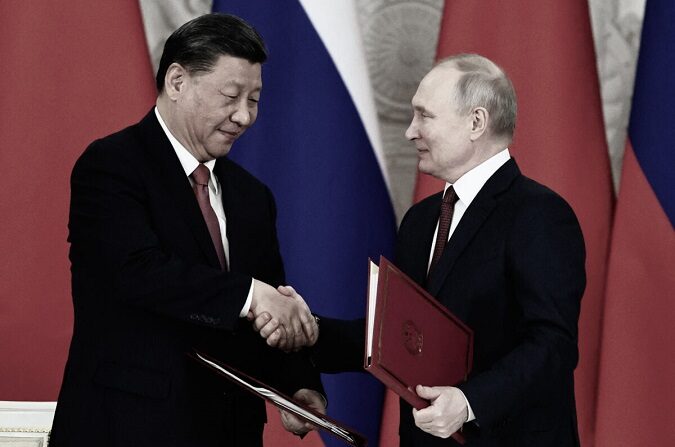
[254,386]
[415,339]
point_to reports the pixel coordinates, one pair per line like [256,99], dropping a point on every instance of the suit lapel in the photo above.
[232,209]
[474,217]
[177,185]
[420,250]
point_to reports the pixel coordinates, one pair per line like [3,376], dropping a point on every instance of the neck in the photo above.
[481,154]
[166,110]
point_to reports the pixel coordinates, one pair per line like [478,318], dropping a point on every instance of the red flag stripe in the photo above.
[637,368]
[79,70]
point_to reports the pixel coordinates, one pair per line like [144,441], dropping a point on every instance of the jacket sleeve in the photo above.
[116,252]
[341,345]
[545,267]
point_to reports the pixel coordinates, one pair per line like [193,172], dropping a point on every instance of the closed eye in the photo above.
[229,95]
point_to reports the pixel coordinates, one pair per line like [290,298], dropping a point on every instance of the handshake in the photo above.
[282,317]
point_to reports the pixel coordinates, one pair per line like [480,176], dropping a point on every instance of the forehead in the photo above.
[436,87]
[230,70]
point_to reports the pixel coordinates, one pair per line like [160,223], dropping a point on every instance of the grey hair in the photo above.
[484,84]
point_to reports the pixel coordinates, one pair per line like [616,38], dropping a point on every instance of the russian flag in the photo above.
[316,145]
[637,368]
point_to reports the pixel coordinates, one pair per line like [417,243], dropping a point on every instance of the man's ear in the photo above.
[174,80]
[479,122]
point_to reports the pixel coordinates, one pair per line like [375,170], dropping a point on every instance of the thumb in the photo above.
[285,290]
[427,392]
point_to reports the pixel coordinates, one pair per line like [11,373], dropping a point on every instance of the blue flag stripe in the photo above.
[651,127]
[334,211]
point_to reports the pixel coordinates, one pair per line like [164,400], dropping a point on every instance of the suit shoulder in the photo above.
[245,186]
[239,175]
[529,193]
[419,211]
[120,153]
[237,171]
[535,204]
[425,204]
[123,143]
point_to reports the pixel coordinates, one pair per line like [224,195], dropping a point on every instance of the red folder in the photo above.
[411,338]
[254,386]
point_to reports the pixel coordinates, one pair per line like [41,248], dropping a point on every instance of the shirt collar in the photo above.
[187,160]
[468,185]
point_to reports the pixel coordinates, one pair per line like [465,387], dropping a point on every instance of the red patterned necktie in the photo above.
[200,177]
[447,209]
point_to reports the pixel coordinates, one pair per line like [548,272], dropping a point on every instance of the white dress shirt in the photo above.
[467,188]
[189,164]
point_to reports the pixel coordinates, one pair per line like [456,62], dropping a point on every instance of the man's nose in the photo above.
[241,115]
[411,132]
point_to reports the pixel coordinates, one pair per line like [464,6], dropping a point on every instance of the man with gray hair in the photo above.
[504,253]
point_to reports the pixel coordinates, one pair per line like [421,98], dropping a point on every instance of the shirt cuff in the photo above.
[471,416]
[247,304]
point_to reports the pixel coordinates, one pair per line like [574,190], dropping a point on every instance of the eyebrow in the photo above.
[239,85]
[419,108]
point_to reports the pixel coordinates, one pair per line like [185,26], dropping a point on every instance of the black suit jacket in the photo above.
[513,271]
[147,288]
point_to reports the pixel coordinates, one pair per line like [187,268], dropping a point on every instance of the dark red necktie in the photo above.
[200,177]
[447,209]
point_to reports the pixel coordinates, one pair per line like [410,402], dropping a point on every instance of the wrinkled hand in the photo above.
[446,414]
[282,317]
[310,328]
[309,398]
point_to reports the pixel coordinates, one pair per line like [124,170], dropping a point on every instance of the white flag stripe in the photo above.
[336,23]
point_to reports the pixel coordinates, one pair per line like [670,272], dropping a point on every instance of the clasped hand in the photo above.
[311,399]
[446,414]
[282,317]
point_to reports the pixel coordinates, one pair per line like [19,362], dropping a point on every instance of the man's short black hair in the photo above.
[199,43]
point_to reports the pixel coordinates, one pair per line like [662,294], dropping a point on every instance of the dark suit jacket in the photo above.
[513,271]
[147,287]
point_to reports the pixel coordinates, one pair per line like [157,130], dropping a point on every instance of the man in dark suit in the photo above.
[172,246]
[512,269]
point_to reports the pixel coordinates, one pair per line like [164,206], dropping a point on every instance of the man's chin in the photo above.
[220,151]
[423,167]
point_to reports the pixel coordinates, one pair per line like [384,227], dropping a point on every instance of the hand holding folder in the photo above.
[277,399]
[411,338]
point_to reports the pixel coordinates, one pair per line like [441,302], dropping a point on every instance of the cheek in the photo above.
[431,138]
[215,118]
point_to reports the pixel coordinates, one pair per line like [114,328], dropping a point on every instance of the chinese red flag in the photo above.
[75,71]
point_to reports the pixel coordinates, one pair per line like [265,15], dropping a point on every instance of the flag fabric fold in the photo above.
[79,71]
[637,368]
[311,147]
